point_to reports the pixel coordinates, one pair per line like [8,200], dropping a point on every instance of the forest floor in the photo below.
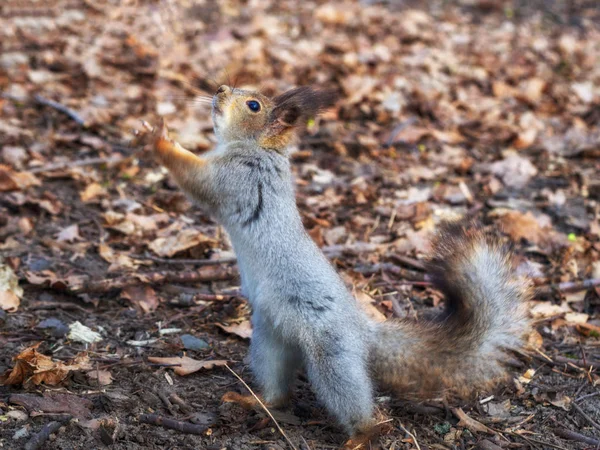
[479,107]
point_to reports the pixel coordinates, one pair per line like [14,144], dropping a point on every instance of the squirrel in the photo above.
[303,314]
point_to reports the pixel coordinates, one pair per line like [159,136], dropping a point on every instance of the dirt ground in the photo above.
[447,108]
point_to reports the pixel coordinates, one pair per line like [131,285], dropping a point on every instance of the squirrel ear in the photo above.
[290,110]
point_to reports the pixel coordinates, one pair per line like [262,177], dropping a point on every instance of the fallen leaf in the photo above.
[187,365]
[69,234]
[143,297]
[11,180]
[514,170]
[10,291]
[367,303]
[32,367]
[520,225]
[80,333]
[119,261]
[242,329]
[92,192]
[54,403]
[182,241]
[541,310]
[101,377]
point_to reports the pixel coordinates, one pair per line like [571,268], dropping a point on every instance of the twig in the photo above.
[574,364]
[567,287]
[577,362]
[81,285]
[410,262]
[61,108]
[332,251]
[405,274]
[83,162]
[263,406]
[412,436]
[195,262]
[183,427]
[585,416]
[573,436]
[583,397]
[335,251]
[38,439]
[183,406]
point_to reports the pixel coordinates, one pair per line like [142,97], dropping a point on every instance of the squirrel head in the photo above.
[248,115]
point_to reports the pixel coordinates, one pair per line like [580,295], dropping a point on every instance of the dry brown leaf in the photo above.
[101,377]
[368,305]
[588,329]
[242,329]
[520,225]
[32,367]
[468,422]
[541,310]
[10,291]
[535,340]
[143,297]
[92,192]
[54,403]
[182,241]
[11,180]
[119,261]
[187,365]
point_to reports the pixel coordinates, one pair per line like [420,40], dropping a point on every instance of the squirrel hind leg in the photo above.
[274,365]
[342,384]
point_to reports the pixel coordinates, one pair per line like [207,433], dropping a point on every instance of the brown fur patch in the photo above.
[463,349]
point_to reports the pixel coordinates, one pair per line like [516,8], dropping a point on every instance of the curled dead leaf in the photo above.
[181,241]
[187,365]
[32,367]
[242,329]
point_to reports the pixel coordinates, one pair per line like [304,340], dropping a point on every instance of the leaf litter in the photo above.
[470,108]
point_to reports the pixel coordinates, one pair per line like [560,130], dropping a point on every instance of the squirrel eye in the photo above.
[253,105]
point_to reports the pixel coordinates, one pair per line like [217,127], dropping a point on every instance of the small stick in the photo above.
[410,262]
[80,163]
[180,402]
[88,285]
[163,398]
[61,108]
[183,427]
[567,287]
[38,439]
[573,436]
[577,362]
[196,262]
[585,416]
[263,406]
[412,436]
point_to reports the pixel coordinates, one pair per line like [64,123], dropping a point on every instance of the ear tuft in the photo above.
[292,109]
[309,102]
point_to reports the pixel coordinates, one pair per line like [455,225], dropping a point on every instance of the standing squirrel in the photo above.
[303,315]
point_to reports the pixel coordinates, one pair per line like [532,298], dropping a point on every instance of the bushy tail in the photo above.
[465,348]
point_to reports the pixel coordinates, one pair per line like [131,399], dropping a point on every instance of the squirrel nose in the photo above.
[223,88]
